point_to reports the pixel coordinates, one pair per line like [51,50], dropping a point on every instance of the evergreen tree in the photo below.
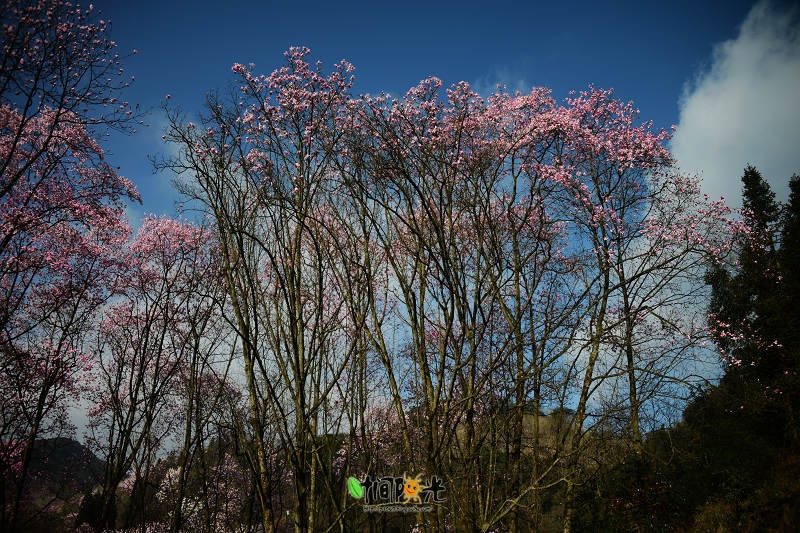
[790,268]
[759,200]
[747,306]
[755,316]
[790,310]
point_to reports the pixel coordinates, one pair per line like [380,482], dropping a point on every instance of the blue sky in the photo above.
[698,65]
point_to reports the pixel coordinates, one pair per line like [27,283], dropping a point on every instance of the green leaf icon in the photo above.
[354,488]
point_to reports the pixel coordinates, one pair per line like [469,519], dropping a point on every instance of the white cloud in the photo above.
[135,214]
[746,108]
[504,78]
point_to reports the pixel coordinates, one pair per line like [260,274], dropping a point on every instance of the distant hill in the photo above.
[64,467]
[61,472]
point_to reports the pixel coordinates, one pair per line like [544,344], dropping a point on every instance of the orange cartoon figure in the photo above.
[412,487]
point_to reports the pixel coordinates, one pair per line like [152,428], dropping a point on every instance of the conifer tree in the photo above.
[753,311]
[744,309]
[790,267]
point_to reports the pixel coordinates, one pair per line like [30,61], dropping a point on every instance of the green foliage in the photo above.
[721,469]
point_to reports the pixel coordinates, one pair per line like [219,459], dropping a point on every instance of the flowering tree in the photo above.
[444,194]
[646,235]
[61,215]
[481,259]
[205,389]
[146,340]
[567,224]
[263,169]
